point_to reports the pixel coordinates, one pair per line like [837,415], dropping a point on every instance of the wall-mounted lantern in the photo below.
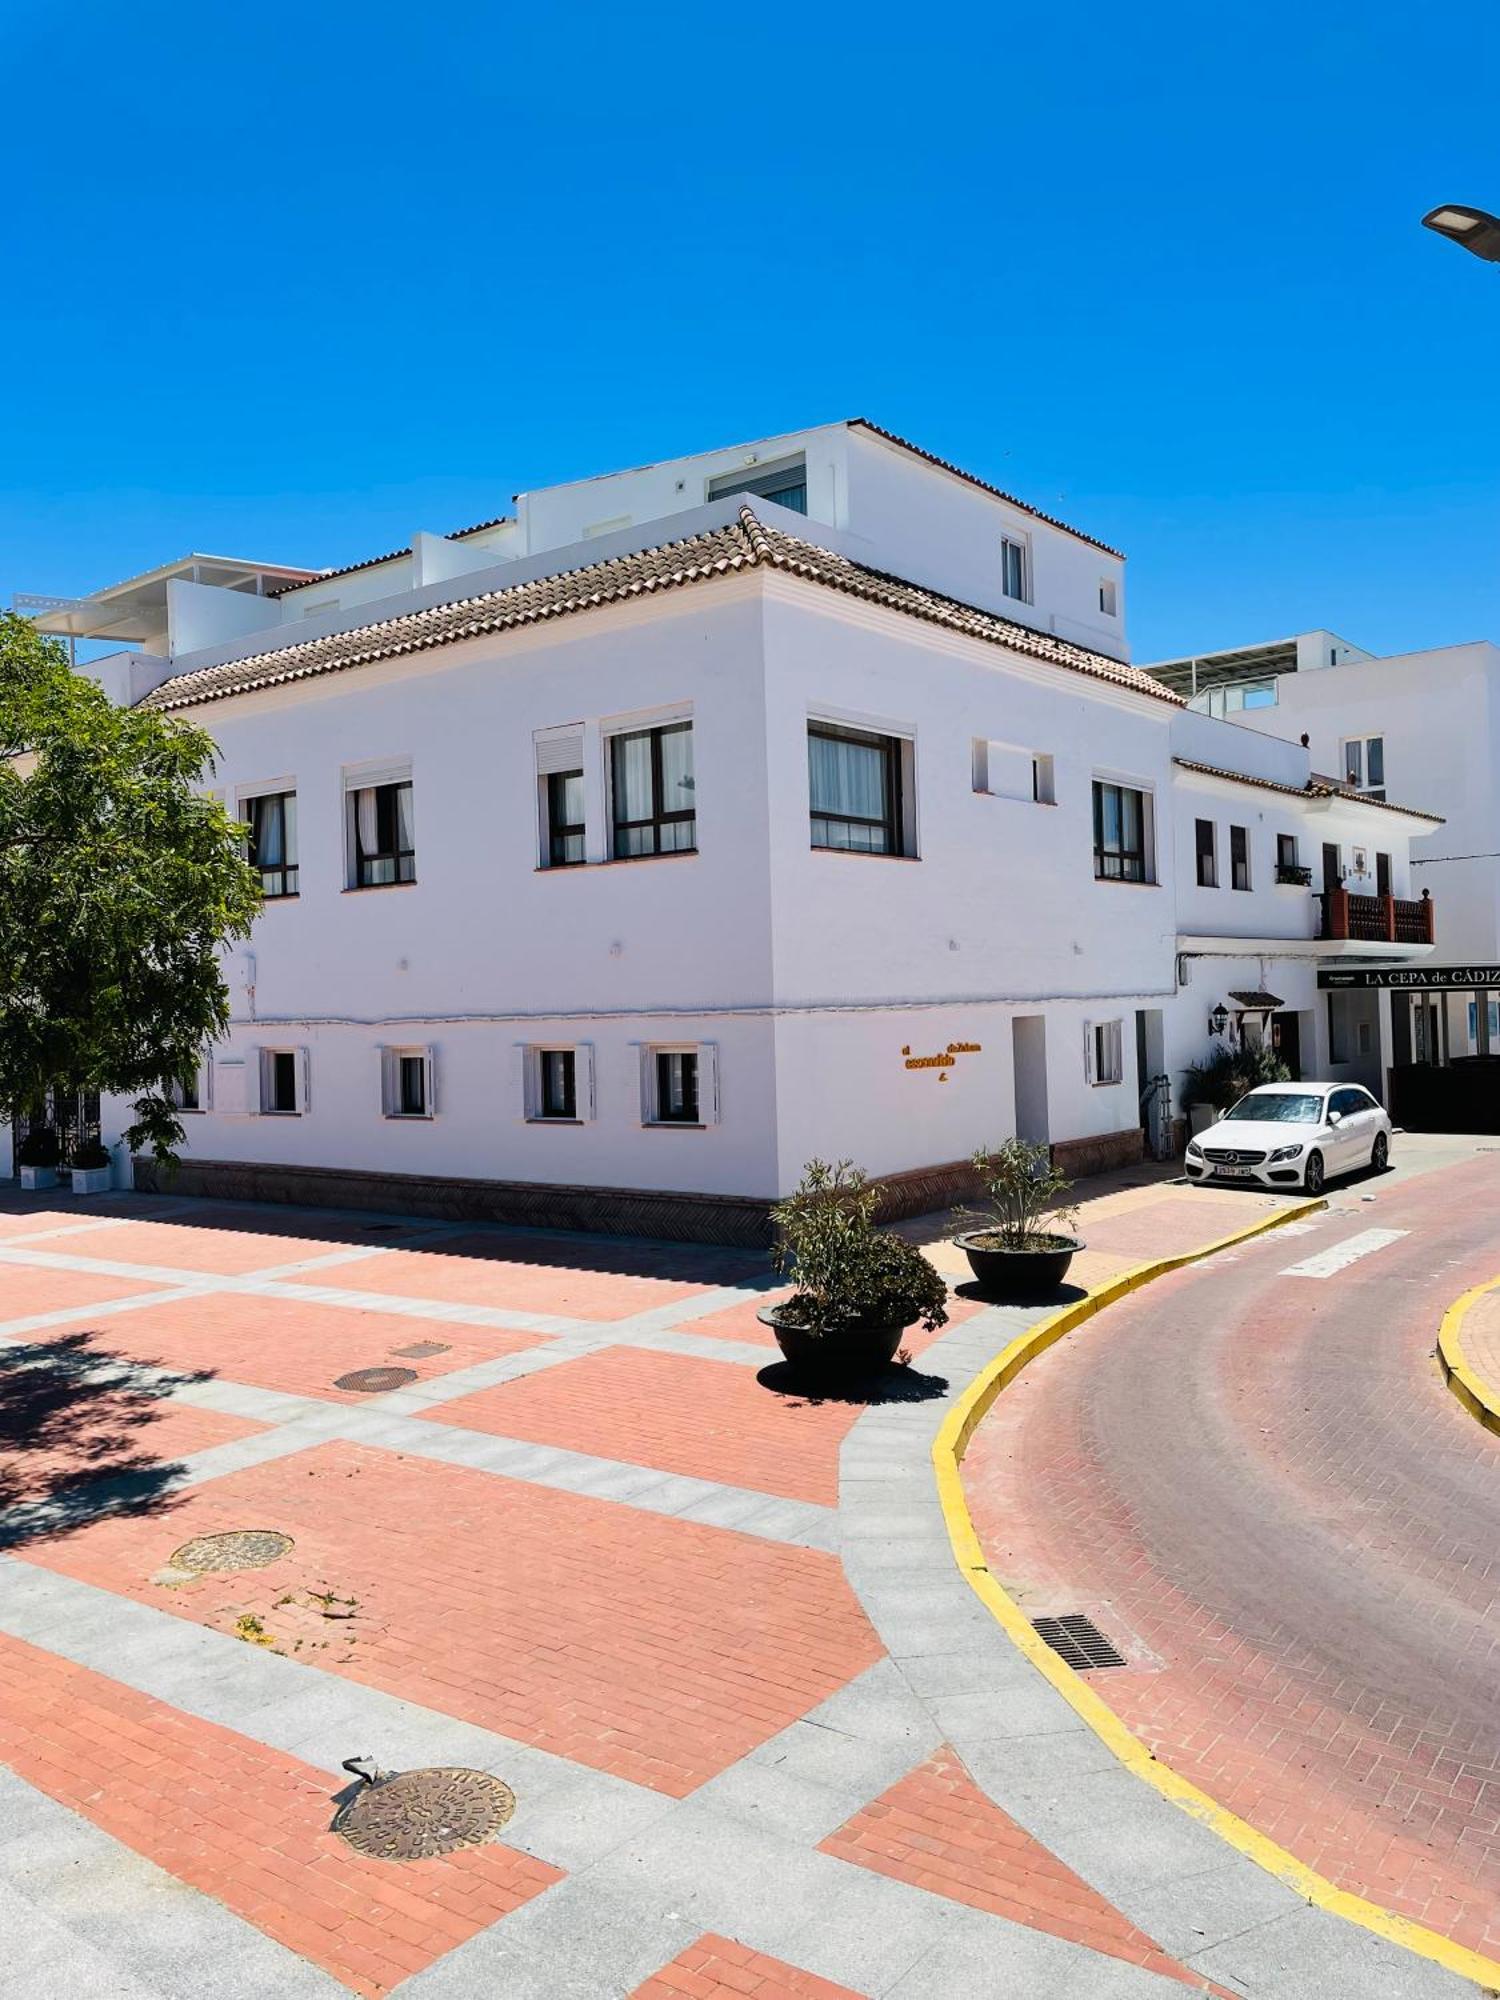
[1218,1020]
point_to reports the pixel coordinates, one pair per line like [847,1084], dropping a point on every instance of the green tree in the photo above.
[119,882]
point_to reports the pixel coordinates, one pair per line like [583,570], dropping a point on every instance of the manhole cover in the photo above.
[374,1381]
[423,1813]
[1079,1641]
[241,1548]
[423,1350]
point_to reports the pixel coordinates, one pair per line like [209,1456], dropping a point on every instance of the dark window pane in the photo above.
[559,1093]
[677,1087]
[283,1080]
[413,1080]
[652,792]
[854,783]
[565,818]
[384,841]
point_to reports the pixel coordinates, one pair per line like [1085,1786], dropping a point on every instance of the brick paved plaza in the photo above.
[594,1540]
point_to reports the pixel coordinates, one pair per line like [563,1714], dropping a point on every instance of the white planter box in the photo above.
[33,1178]
[91,1180]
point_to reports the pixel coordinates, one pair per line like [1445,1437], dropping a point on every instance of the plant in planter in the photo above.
[1223,1078]
[90,1163]
[1023,1244]
[38,1156]
[858,1286]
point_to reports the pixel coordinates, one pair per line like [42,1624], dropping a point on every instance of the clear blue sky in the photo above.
[294,282]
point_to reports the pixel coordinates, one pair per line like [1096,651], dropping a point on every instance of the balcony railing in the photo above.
[1376,919]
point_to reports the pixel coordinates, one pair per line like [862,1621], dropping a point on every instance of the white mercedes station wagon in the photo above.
[1293,1135]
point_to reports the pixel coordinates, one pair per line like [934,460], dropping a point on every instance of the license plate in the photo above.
[1236,1173]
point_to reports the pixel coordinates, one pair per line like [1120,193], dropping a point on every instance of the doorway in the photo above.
[1029,1061]
[1286,1042]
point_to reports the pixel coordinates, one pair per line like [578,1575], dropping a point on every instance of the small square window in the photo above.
[281,1094]
[187,1093]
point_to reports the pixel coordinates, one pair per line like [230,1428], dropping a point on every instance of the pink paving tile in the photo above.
[31,1288]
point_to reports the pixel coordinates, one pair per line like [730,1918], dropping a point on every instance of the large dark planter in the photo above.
[857,1349]
[1018,1274]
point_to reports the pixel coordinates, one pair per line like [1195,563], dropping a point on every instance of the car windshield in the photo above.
[1279,1107]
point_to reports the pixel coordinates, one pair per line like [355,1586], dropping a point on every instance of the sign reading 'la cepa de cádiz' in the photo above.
[1427,978]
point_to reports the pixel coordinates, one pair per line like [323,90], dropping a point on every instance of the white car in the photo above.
[1293,1135]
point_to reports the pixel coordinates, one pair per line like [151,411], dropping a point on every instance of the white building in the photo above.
[796,799]
[1424,728]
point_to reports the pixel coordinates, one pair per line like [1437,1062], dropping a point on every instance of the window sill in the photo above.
[861,853]
[372,888]
[279,1114]
[1011,798]
[286,896]
[407,1117]
[673,1125]
[1119,882]
[630,860]
[541,1118]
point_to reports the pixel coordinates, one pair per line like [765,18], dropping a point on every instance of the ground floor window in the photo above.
[680,1085]
[283,1088]
[406,1083]
[1104,1051]
[559,1081]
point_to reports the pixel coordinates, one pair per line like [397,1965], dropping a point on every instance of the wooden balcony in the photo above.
[1376,919]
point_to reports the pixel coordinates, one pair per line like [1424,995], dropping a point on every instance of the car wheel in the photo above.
[1312,1174]
[1381,1153]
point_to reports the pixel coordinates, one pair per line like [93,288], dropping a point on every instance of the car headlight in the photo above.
[1194,1151]
[1285,1153]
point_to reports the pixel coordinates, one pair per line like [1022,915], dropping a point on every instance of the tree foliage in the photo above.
[120,880]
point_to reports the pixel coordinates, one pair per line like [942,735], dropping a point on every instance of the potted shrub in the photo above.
[858,1287]
[1209,1088]
[90,1164]
[38,1157]
[1024,1243]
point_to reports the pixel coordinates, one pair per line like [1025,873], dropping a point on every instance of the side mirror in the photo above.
[1335,1117]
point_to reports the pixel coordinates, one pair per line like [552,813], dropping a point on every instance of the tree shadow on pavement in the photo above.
[889,1385]
[74,1448]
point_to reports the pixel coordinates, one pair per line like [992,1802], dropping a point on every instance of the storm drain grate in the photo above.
[1079,1641]
[418,1814]
[375,1381]
[423,1350]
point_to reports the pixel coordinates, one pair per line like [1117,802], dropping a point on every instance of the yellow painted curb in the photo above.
[948,1450]
[1480,1398]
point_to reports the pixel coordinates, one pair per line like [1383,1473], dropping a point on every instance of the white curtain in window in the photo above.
[367,820]
[676,770]
[405,836]
[289,828]
[846,778]
[270,833]
[633,777]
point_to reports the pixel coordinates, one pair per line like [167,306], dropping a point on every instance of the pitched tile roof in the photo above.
[972,479]
[744,543]
[1317,787]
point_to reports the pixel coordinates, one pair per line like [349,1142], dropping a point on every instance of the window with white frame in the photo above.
[1003,771]
[1364,764]
[193,1090]
[380,826]
[680,1084]
[283,1078]
[1206,847]
[1239,857]
[406,1083]
[1015,567]
[559,1083]
[785,484]
[1109,597]
[272,846]
[559,768]
[1104,1051]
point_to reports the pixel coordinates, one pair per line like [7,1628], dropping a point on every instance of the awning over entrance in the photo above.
[1257,1003]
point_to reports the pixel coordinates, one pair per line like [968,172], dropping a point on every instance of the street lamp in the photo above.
[1475,228]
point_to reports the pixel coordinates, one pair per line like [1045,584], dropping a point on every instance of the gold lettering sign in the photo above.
[943,1062]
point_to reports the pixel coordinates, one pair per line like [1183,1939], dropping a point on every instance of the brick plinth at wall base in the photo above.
[684,1218]
[1098,1155]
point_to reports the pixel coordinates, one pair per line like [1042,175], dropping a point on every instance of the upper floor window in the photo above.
[564,818]
[1109,597]
[1015,568]
[854,787]
[784,484]
[382,841]
[1121,820]
[651,785]
[272,820]
[1206,839]
[1364,764]
[1289,866]
[1239,857]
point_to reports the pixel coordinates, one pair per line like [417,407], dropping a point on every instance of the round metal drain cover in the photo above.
[420,1814]
[241,1548]
[374,1381]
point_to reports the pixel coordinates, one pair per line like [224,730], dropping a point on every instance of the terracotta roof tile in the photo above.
[743,543]
[1317,787]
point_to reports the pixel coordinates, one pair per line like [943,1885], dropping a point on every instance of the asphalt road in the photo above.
[1251,1476]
